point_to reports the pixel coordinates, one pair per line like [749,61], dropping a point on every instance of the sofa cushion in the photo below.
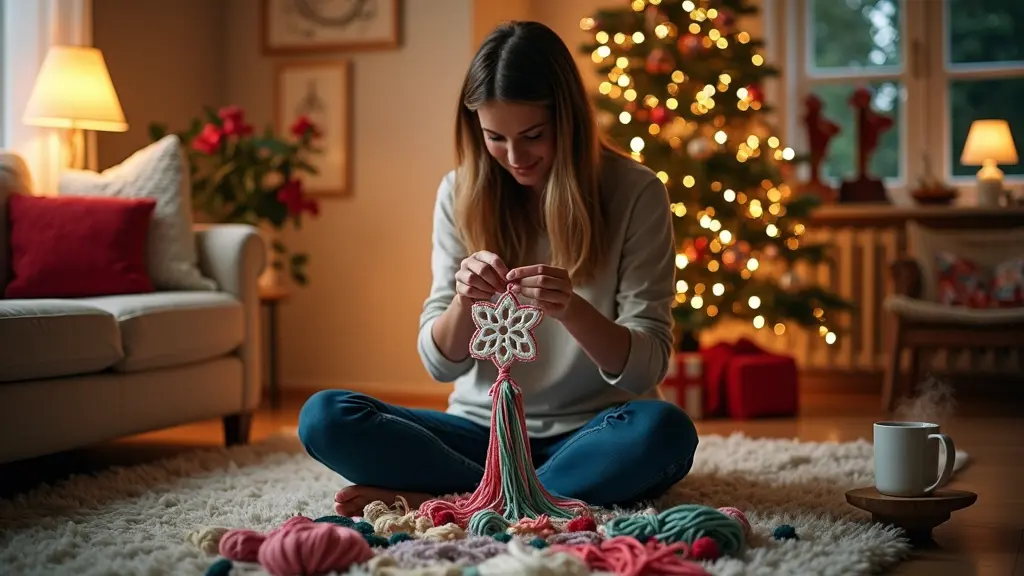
[50,338]
[173,328]
[936,313]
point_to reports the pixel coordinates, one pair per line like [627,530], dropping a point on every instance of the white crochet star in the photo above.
[505,331]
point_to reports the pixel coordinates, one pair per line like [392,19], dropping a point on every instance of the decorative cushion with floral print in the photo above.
[961,282]
[1008,284]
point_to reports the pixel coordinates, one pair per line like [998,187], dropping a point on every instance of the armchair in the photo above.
[919,319]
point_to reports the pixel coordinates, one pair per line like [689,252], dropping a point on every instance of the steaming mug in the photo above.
[907,458]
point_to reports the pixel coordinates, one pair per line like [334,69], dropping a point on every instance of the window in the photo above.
[933,66]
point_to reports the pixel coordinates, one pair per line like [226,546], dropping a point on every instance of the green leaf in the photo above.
[157,131]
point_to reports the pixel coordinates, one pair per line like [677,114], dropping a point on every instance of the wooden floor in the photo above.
[987,538]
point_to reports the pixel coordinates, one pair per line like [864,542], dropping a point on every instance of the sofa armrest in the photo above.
[906,277]
[234,256]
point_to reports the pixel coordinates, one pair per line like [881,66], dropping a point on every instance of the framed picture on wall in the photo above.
[309,26]
[320,90]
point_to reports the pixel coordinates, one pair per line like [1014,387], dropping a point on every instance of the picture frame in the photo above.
[290,27]
[322,91]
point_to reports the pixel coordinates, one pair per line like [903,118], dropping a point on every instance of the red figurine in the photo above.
[820,130]
[870,126]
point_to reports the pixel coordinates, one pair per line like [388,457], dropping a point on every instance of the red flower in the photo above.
[302,126]
[233,118]
[292,196]
[209,140]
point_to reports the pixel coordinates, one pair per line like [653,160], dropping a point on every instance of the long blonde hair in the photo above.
[526,62]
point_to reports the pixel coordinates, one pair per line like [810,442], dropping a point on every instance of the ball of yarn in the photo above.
[443,517]
[376,541]
[221,567]
[313,548]
[704,548]
[539,543]
[738,515]
[487,523]
[581,524]
[503,537]
[398,537]
[785,532]
[206,538]
[363,527]
[339,520]
[241,545]
[683,523]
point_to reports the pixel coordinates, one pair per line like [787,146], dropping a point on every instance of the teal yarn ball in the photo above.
[221,567]
[339,520]
[363,527]
[399,537]
[683,523]
[503,537]
[539,543]
[376,541]
[487,523]
[785,532]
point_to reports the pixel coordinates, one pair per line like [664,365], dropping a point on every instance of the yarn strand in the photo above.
[510,485]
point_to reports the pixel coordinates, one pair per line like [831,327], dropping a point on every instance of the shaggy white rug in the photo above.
[136,520]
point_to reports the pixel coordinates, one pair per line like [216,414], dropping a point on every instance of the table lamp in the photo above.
[73,92]
[989,143]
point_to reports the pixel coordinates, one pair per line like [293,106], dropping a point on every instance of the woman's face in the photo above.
[520,137]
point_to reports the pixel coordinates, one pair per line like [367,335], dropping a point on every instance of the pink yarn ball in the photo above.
[738,515]
[241,545]
[313,548]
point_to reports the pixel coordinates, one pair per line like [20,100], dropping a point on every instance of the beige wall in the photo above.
[369,253]
[166,61]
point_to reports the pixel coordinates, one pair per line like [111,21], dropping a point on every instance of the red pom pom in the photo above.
[581,524]
[704,548]
[443,517]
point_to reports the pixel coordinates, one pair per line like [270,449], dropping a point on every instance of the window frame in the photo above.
[923,74]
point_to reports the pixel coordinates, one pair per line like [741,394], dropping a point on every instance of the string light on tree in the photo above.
[682,87]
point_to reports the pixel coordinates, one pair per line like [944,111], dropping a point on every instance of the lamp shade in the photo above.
[989,140]
[73,90]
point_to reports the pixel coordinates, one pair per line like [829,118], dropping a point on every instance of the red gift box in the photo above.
[759,385]
[741,380]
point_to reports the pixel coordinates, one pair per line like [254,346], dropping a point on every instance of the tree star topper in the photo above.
[505,330]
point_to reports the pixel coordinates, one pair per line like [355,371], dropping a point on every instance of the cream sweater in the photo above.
[563,389]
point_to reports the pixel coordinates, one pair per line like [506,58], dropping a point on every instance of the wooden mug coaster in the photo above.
[917,516]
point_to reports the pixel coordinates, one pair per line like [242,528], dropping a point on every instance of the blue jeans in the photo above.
[626,454]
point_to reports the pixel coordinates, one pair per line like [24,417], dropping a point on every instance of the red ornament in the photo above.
[688,44]
[443,517]
[755,92]
[705,548]
[581,524]
[659,115]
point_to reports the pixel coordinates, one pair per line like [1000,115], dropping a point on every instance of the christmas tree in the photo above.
[684,93]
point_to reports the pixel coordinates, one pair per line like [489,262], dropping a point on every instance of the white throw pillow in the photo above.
[158,171]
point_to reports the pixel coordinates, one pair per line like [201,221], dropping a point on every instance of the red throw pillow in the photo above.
[74,247]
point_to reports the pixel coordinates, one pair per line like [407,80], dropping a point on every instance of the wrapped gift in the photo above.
[740,380]
[759,385]
[684,383]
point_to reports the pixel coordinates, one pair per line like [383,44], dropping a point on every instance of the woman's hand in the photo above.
[549,286]
[480,276]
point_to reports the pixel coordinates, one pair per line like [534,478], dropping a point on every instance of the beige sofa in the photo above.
[74,372]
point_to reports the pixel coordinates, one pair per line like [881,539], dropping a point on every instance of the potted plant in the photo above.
[239,176]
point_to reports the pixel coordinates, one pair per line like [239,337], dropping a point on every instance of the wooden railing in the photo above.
[866,240]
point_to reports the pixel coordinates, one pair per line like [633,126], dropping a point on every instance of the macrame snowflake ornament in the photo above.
[510,487]
[505,331]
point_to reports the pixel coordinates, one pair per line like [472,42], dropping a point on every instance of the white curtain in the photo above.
[30,27]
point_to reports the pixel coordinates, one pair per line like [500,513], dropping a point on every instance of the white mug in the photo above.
[907,458]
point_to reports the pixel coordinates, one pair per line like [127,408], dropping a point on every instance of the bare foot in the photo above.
[350,501]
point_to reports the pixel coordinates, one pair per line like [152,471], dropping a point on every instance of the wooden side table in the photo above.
[269,299]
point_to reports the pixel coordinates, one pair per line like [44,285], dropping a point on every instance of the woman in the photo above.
[540,203]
